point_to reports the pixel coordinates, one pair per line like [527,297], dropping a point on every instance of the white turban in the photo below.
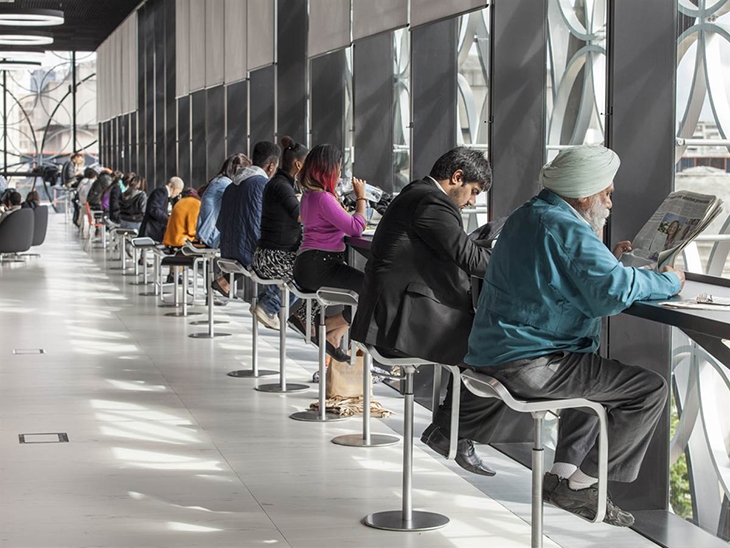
[579,172]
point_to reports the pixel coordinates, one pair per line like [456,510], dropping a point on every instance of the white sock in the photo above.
[578,480]
[563,469]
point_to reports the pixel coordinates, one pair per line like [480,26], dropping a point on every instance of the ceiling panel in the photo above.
[88,22]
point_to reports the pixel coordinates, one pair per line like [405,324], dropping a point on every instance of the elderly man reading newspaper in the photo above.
[549,283]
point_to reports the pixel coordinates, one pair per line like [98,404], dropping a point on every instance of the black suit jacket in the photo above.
[416,295]
[154,223]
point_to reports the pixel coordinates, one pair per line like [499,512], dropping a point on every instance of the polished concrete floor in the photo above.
[165,449]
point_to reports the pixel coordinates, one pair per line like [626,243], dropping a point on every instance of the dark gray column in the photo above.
[133,155]
[434,72]
[170,104]
[141,89]
[215,130]
[642,72]
[518,101]
[327,75]
[291,66]
[199,154]
[149,122]
[262,105]
[237,117]
[160,172]
[183,137]
[373,109]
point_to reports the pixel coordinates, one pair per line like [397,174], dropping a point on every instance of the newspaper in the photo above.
[703,301]
[678,221]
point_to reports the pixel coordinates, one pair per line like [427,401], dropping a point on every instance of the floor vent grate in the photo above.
[58,437]
[20,351]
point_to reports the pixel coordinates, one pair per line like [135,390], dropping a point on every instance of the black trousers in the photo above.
[314,269]
[634,399]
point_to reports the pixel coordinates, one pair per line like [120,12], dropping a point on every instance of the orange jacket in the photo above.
[183,219]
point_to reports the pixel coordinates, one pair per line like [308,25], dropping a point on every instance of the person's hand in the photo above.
[679,273]
[358,187]
[621,248]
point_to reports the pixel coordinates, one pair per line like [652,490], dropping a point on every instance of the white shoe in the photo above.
[270,321]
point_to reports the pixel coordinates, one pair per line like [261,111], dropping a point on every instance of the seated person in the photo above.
[281,231]
[72,169]
[183,220]
[211,196]
[320,261]
[416,299]
[11,204]
[550,282]
[32,200]
[154,222]
[82,192]
[112,196]
[133,203]
[103,181]
[239,221]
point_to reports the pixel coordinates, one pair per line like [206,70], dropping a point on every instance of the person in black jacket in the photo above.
[281,230]
[114,192]
[133,204]
[416,299]
[154,223]
[103,181]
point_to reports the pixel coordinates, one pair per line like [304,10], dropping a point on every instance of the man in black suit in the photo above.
[416,299]
[155,218]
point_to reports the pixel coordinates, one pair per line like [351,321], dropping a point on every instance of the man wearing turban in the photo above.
[537,326]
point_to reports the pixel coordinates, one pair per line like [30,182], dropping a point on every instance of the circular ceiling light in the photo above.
[31,18]
[27,38]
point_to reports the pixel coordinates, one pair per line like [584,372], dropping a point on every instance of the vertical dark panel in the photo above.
[641,126]
[434,76]
[292,69]
[373,109]
[133,152]
[100,129]
[262,105]
[327,74]
[215,126]
[518,101]
[199,165]
[141,92]
[170,104]
[183,137]
[149,153]
[115,141]
[160,84]
[124,144]
[237,117]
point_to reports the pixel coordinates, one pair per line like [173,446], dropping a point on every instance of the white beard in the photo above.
[596,214]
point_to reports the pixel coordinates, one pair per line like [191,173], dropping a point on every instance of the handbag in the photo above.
[345,379]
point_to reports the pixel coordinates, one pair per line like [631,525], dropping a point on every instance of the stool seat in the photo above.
[485,386]
[329,296]
[203,251]
[143,242]
[299,292]
[179,260]
[231,266]
[264,281]
[120,230]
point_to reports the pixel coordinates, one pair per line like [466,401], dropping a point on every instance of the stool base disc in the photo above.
[393,521]
[169,305]
[140,283]
[182,314]
[205,335]
[119,268]
[310,415]
[149,294]
[205,322]
[356,440]
[248,373]
[276,388]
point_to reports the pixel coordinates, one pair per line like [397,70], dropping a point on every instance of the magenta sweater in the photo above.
[326,223]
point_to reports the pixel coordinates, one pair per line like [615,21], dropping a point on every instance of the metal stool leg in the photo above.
[282,387]
[436,397]
[538,464]
[407,519]
[366,439]
[195,293]
[211,334]
[186,279]
[254,372]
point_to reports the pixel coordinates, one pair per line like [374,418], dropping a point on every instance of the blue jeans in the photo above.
[269,299]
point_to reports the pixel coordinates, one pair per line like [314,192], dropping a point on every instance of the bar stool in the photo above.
[488,387]
[178,262]
[405,519]
[125,234]
[142,245]
[209,254]
[282,387]
[232,267]
[159,252]
[327,296]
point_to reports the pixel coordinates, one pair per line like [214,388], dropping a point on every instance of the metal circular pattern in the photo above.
[32,18]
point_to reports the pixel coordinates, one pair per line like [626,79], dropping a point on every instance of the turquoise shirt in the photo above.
[550,281]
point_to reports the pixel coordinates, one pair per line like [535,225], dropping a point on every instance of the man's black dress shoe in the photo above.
[466,455]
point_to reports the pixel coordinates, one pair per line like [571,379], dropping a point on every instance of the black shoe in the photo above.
[215,285]
[295,322]
[549,483]
[466,455]
[584,503]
